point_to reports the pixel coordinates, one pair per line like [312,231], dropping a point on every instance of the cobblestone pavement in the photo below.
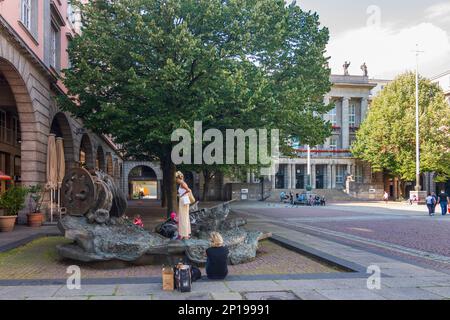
[39,260]
[397,229]
[365,235]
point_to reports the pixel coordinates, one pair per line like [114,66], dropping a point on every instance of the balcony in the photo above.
[324,153]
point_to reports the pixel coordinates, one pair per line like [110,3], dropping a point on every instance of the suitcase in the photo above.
[183,280]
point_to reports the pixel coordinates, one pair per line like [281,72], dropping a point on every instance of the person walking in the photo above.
[430,204]
[436,199]
[385,197]
[443,201]
[184,223]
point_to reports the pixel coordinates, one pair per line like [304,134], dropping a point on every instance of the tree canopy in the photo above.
[387,138]
[142,68]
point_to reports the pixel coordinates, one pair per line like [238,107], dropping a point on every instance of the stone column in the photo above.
[313,176]
[273,180]
[294,176]
[333,176]
[345,129]
[329,176]
[288,178]
[364,108]
[252,177]
[248,176]
[326,101]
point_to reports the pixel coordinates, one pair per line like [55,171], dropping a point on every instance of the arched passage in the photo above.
[143,183]
[100,159]
[22,143]
[61,128]
[86,156]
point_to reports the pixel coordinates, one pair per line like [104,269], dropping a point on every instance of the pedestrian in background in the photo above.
[430,204]
[443,201]
[385,197]
[436,199]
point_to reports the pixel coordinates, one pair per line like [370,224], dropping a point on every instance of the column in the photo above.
[252,177]
[345,129]
[333,176]
[294,176]
[326,101]
[248,176]
[272,181]
[329,176]
[313,176]
[288,171]
[364,108]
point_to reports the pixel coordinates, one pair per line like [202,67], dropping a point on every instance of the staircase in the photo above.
[329,194]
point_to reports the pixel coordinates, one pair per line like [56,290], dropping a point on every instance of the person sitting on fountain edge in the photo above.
[217,257]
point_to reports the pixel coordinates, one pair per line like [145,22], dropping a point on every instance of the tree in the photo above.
[143,68]
[387,138]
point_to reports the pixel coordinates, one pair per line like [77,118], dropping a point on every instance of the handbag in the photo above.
[182,277]
[191,198]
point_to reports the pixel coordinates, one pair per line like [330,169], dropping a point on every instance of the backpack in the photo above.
[196,274]
[183,280]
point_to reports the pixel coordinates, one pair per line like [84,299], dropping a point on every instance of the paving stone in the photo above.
[440,291]
[407,294]
[120,298]
[210,286]
[88,290]
[59,298]
[309,295]
[411,282]
[313,284]
[175,295]
[256,285]
[226,296]
[350,294]
[270,295]
[20,292]
[138,289]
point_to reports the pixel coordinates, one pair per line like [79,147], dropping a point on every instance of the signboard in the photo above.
[244,191]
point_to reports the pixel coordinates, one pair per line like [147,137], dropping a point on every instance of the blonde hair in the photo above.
[216,239]
[179,175]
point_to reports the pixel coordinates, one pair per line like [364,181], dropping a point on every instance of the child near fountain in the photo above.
[138,221]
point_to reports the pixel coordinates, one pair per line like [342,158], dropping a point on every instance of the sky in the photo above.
[384,34]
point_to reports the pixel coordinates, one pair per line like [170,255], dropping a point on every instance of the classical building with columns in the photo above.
[332,163]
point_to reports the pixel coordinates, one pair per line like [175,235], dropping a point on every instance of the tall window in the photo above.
[359,174]
[352,115]
[332,116]
[53,46]
[2,126]
[26,13]
[340,174]
[333,143]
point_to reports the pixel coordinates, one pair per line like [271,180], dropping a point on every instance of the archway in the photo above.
[142,183]
[22,139]
[100,159]
[61,128]
[86,157]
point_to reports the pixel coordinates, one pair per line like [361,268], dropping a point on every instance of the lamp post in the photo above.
[417,121]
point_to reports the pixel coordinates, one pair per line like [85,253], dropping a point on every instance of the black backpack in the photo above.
[183,280]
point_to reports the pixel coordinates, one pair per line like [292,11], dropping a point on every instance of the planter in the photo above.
[35,219]
[7,223]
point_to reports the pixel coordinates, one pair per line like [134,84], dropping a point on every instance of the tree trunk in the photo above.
[207,177]
[169,185]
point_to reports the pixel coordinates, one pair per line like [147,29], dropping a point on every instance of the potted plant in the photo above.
[12,200]
[35,217]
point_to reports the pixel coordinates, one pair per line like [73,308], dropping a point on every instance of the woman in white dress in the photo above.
[184,223]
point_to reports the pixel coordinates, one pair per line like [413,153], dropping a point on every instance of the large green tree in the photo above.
[387,138]
[143,68]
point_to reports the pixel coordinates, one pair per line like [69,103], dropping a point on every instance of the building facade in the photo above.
[34,35]
[443,80]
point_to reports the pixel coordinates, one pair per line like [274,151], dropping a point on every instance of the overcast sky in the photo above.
[384,34]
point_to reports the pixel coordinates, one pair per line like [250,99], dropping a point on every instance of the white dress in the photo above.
[184,224]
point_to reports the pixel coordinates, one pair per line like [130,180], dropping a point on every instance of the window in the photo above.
[26,13]
[332,116]
[339,174]
[2,126]
[333,143]
[359,174]
[53,46]
[16,131]
[352,115]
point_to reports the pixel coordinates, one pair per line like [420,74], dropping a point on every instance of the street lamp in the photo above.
[417,121]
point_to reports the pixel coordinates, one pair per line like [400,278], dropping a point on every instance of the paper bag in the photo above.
[167,279]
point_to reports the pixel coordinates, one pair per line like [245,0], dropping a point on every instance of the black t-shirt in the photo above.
[443,197]
[216,264]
